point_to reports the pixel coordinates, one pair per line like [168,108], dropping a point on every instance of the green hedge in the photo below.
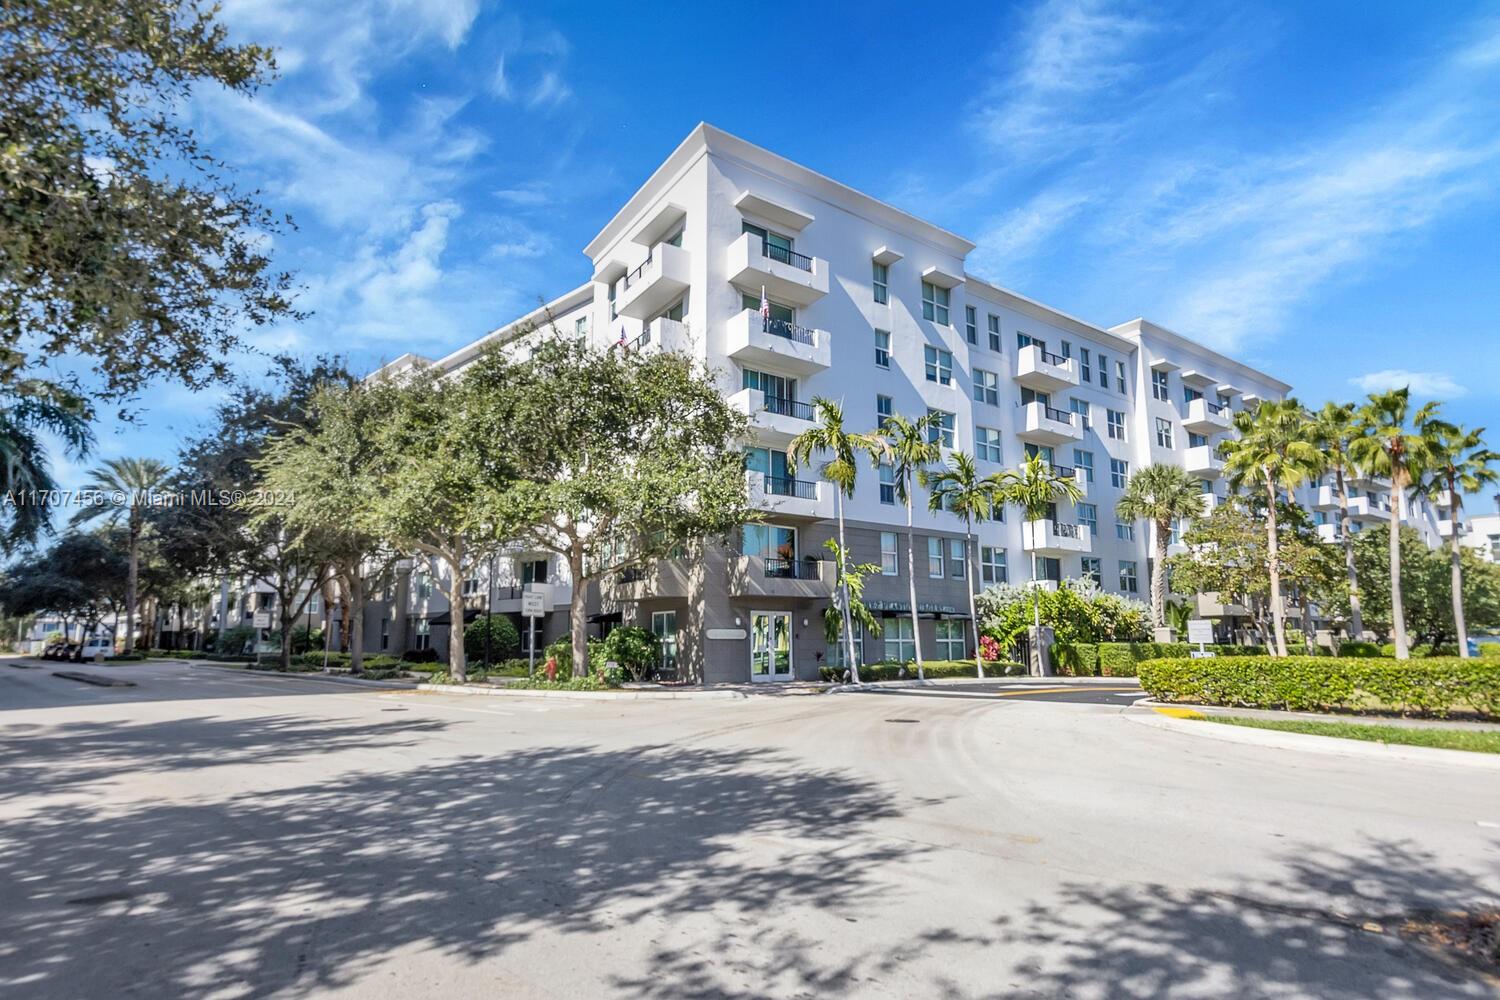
[1489,650]
[1359,650]
[1120,659]
[1389,650]
[1433,686]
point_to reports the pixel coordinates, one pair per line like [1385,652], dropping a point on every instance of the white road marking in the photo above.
[1487,824]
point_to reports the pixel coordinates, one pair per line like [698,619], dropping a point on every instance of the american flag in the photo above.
[765,305]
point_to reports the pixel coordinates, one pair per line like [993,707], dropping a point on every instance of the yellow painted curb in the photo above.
[1179,713]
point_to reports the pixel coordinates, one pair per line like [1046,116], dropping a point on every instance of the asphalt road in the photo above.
[212,834]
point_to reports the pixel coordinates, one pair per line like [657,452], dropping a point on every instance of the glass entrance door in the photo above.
[664,626]
[770,646]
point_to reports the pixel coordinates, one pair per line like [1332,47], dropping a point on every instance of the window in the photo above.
[880,280]
[1103,370]
[533,571]
[1125,530]
[957,556]
[1081,407]
[1067,349]
[987,444]
[1127,578]
[935,558]
[935,303]
[986,387]
[581,327]
[971,324]
[1189,394]
[779,312]
[941,430]
[1116,424]
[882,348]
[1085,461]
[423,587]
[1091,570]
[992,567]
[1119,473]
[1159,389]
[890,562]
[1120,384]
[421,634]
[884,410]
[1088,516]
[838,652]
[1083,361]
[1163,432]
[939,365]
[950,639]
[315,604]
[1196,440]
[471,586]
[612,292]
[1024,340]
[887,483]
[900,644]
[994,332]
[385,634]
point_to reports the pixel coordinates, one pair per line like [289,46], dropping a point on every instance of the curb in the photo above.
[1017,682]
[313,676]
[499,691]
[1330,745]
[94,679]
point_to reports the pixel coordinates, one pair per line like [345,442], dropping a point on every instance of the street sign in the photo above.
[1200,630]
[533,604]
[262,619]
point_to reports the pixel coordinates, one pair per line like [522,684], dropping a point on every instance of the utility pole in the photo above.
[489,608]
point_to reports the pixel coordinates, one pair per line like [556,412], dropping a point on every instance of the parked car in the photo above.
[98,645]
[53,650]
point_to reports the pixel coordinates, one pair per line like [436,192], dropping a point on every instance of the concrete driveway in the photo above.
[210,834]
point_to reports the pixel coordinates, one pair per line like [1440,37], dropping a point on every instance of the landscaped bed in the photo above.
[1476,740]
[1435,686]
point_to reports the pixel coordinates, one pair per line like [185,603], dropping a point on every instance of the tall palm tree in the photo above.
[842,468]
[910,448]
[134,480]
[1160,494]
[1333,430]
[1275,451]
[1035,487]
[24,470]
[1461,464]
[959,489]
[1388,442]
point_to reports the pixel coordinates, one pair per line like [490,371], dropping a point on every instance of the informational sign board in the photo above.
[1200,630]
[262,619]
[532,605]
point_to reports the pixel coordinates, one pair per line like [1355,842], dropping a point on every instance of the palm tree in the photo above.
[841,469]
[909,447]
[1036,487]
[1461,465]
[1160,494]
[23,457]
[1388,442]
[1333,430]
[1274,450]
[959,489]
[133,480]
[854,574]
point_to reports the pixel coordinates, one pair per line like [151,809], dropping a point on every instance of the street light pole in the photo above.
[489,609]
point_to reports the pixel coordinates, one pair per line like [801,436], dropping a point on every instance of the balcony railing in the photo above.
[791,331]
[783,487]
[1215,408]
[792,569]
[1061,416]
[635,275]
[786,256]
[788,407]
[1062,530]
[1051,359]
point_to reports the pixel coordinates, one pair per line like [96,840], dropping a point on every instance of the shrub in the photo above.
[1117,659]
[1389,650]
[1489,650]
[1433,686]
[428,655]
[635,649]
[1358,649]
[504,639]
[1076,659]
[232,641]
[908,671]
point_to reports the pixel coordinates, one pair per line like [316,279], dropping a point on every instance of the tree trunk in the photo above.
[458,667]
[1398,611]
[356,628]
[578,626]
[969,585]
[283,607]
[131,578]
[1457,574]
[911,579]
[1159,574]
[844,593]
[1356,619]
[1278,610]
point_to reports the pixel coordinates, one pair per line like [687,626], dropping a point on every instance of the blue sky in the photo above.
[1314,188]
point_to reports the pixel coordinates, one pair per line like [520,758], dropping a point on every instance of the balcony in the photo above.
[1326,498]
[1036,369]
[508,598]
[662,335]
[1212,502]
[788,276]
[1364,509]
[1445,527]
[1054,538]
[759,576]
[667,578]
[773,421]
[1330,532]
[658,282]
[1044,424]
[789,497]
[1203,417]
[777,345]
[1203,462]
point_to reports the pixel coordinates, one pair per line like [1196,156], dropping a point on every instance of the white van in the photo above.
[98,644]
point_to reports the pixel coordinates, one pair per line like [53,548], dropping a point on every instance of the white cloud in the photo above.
[549,92]
[1435,385]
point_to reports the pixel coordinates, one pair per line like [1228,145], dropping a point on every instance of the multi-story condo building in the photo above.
[874,307]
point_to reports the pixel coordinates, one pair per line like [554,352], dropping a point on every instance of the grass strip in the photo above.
[1475,740]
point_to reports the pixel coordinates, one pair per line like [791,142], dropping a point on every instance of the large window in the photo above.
[1163,432]
[957,556]
[1024,340]
[890,562]
[1083,361]
[882,348]
[939,365]
[884,410]
[1128,583]
[887,483]
[1119,473]
[1125,530]
[1085,461]
[935,558]
[1121,385]
[992,567]
[880,280]
[1088,517]
[940,431]
[1090,567]
[935,303]
[900,644]
[971,325]
[986,387]
[1081,407]
[950,639]
[994,322]
[779,313]
[1159,388]
[1116,424]
[987,444]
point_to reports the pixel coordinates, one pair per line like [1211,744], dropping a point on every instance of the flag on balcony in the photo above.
[621,341]
[765,306]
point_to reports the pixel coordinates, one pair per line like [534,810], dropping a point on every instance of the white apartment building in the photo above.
[874,307]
